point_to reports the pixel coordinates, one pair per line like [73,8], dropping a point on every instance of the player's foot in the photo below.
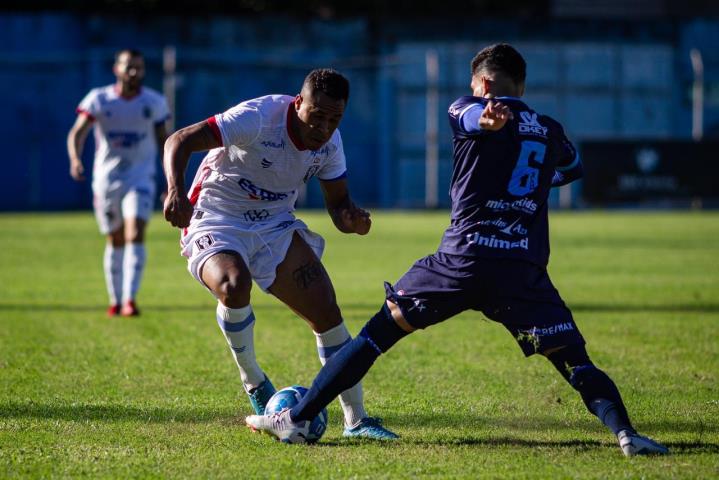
[370,427]
[632,444]
[280,426]
[113,310]
[261,395]
[129,309]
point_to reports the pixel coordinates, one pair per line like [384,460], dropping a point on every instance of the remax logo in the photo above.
[530,125]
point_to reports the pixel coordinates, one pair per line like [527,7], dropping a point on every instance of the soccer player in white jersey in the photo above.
[238,223]
[129,124]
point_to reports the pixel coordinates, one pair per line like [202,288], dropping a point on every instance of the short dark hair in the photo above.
[328,81]
[501,58]
[133,52]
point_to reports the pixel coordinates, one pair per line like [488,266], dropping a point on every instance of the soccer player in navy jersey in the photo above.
[492,257]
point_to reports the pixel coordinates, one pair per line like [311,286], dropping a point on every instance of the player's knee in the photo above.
[382,331]
[568,358]
[328,317]
[234,291]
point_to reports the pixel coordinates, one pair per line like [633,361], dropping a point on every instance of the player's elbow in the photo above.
[177,143]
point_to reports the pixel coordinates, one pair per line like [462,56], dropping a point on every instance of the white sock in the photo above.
[238,324]
[133,267]
[112,264]
[328,343]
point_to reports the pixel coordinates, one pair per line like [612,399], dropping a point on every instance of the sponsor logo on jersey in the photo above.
[266,163]
[204,242]
[322,151]
[124,139]
[494,242]
[504,226]
[257,193]
[530,125]
[284,224]
[271,144]
[525,204]
[256,215]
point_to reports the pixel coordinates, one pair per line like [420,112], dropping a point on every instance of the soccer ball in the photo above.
[288,397]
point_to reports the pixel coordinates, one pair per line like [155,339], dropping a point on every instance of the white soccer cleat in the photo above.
[635,444]
[279,426]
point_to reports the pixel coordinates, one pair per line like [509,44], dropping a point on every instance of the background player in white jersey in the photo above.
[239,226]
[129,124]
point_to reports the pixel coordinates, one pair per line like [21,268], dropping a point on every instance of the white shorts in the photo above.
[112,206]
[262,245]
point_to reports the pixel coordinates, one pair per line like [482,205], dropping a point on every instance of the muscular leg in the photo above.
[303,284]
[598,391]
[352,362]
[229,279]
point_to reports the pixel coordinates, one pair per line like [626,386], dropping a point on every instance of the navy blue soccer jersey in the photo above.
[501,181]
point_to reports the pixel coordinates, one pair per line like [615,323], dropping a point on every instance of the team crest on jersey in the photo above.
[204,242]
[530,125]
[311,172]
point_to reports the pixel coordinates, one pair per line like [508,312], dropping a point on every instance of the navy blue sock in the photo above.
[347,367]
[611,414]
[598,391]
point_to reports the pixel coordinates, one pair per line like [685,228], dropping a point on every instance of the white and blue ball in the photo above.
[288,397]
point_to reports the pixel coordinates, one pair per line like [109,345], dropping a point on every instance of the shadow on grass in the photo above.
[676,448]
[110,413]
[440,421]
[370,307]
[114,412]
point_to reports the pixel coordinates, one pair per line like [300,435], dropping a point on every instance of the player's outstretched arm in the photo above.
[75,143]
[178,148]
[346,216]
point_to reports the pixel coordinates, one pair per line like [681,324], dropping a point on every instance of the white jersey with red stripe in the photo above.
[258,171]
[125,143]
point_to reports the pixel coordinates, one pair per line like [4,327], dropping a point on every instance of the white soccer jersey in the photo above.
[257,172]
[125,144]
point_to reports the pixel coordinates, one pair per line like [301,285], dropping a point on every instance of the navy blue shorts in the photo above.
[517,294]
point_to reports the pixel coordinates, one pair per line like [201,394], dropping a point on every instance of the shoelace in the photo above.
[278,422]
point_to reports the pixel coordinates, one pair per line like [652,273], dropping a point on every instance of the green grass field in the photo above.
[82,395]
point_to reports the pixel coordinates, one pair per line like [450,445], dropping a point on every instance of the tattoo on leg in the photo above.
[307,274]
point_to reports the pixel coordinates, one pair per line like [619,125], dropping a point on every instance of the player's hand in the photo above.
[494,116]
[356,220]
[77,171]
[177,209]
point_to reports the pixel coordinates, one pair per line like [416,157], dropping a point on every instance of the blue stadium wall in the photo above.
[49,61]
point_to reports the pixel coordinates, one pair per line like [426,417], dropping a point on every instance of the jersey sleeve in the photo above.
[336,166]
[569,165]
[464,116]
[162,112]
[90,105]
[239,126]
